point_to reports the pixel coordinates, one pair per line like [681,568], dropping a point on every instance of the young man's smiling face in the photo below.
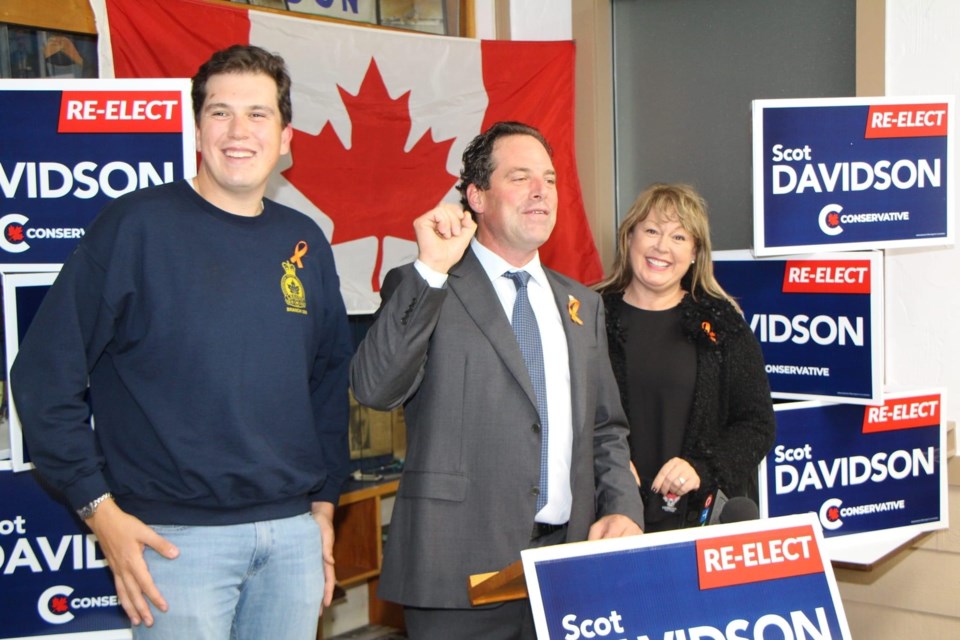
[241,137]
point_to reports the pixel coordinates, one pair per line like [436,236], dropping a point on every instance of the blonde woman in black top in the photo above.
[690,371]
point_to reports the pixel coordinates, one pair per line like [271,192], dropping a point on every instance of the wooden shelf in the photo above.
[359,491]
[357,525]
[358,546]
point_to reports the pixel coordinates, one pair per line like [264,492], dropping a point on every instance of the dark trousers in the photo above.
[507,621]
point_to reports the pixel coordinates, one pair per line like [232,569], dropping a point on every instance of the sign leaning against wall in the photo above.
[835,174]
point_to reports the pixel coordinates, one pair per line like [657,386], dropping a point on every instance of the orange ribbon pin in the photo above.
[573,305]
[298,252]
[706,329]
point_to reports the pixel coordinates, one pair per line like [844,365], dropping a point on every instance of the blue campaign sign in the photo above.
[22,295]
[852,173]
[860,469]
[52,573]
[69,147]
[818,319]
[759,579]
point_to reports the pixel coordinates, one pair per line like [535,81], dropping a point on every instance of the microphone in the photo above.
[739,509]
[712,508]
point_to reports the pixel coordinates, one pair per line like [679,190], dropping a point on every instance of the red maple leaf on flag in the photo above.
[374,188]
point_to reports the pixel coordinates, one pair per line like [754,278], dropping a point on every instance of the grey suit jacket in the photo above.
[466,501]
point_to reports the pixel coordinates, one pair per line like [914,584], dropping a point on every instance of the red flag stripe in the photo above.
[533,82]
[183,34]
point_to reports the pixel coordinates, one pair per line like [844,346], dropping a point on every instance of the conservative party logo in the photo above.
[13,239]
[832,511]
[56,606]
[830,220]
[16,231]
[830,514]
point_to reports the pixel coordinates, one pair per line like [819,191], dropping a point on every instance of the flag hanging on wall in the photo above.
[381,119]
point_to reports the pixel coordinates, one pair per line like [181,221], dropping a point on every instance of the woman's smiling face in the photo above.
[661,252]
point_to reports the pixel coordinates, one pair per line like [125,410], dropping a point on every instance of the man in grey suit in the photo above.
[484,476]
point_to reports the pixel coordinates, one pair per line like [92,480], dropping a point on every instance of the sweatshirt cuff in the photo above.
[329,493]
[85,490]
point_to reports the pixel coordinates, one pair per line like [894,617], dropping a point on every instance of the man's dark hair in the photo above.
[241,58]
[478,156]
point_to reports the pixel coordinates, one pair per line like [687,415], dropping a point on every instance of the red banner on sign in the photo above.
[906,121]
[826,276]
[757,556]
[120,112]
[903,413]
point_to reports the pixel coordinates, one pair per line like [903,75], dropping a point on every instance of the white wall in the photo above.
[541,20]
[528,19]
[485,19]
[922,290]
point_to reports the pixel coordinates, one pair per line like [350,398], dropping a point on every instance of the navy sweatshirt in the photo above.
[213,349]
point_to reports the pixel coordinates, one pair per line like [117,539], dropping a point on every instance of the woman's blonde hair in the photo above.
[678,202]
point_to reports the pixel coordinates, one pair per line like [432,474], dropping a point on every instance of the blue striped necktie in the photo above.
[528,335]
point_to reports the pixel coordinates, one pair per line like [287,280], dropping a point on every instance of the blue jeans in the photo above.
[239,582]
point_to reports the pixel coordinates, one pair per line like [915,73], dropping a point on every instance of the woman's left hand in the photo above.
[677,477]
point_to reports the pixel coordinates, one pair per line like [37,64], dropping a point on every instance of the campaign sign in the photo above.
[53,576]
[860,469]
[22,295]
[71,146]
[818,318]
[852,173]
[762,580]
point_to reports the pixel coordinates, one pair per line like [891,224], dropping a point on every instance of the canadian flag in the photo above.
[381,120]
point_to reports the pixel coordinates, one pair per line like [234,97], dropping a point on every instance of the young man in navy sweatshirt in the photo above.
[204,326]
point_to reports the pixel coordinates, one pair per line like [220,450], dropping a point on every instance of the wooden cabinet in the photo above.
[358,546]
[358,528]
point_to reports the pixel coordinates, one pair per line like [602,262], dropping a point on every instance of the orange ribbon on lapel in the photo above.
[573,305]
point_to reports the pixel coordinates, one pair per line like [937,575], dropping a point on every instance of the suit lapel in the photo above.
[469,282]
[576,351]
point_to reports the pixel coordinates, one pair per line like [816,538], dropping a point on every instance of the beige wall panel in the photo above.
[594,120]
[918,580]
[951,439]
[948,540]
[871,40]
[873,622]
